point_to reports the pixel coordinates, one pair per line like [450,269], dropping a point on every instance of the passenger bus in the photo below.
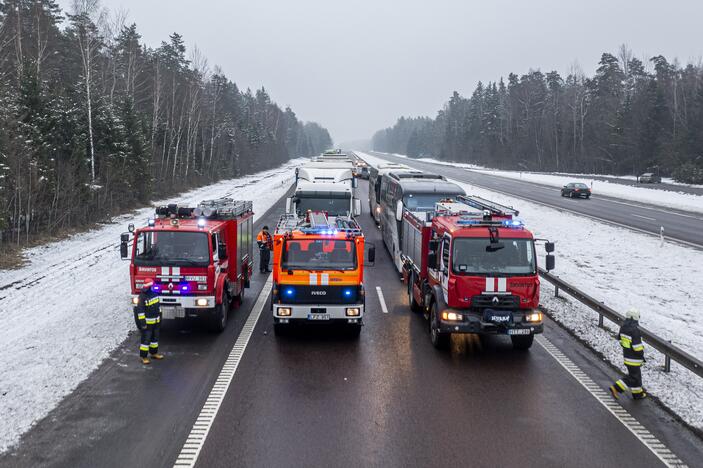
[376,173]
[415,191]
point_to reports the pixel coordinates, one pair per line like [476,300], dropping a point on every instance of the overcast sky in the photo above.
[354,66]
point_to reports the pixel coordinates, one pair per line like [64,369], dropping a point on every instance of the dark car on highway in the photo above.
[576,189]
[649,178]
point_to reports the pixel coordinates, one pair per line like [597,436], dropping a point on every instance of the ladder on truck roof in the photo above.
[494,208]
[223,208]
[317,222]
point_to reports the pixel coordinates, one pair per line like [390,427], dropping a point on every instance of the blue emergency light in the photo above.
[289,292]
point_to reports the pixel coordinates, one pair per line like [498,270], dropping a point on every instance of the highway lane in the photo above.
[126,414]
[390,399]
[682,226]
[664,186]
[320,399]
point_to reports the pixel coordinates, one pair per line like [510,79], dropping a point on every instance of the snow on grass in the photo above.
[623,269]
[665,198]
[64,312]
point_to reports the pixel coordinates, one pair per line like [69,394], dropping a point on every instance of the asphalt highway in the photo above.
[320,398]
[682,226]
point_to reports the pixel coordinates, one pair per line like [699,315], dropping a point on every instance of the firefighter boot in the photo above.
[157,356]
[639,396]
[145,360]
[615,392]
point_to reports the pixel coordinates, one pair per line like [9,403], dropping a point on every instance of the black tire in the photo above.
[439,340]
[353,330]
[571,194]
[587,197]
[280,329]
[414,306]
[522,342]
[218,321]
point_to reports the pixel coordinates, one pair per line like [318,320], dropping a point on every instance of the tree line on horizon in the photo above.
[94,122]
[630,117]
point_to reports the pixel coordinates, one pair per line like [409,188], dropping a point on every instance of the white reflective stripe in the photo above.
[622,335]
[153,345]
[175,271]
[490,284]
[144,347]
[638,347]
[165,270]
[313,279]
[324,279]
[502,284]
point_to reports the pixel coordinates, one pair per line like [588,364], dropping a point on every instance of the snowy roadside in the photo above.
[56,327]
[676,200]
[624,269]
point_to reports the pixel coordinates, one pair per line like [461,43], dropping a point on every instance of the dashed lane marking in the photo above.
[384,308]
[643,217]
[201,428]
[606,399]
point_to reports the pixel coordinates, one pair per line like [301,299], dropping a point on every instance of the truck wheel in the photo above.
[522,341]
[439,340]
[218,321]
[280,329]
[414,306]
[354,330]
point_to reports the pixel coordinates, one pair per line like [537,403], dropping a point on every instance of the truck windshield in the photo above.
[332,206]
[318,254]
[424,201]
[470,257]
[172,248]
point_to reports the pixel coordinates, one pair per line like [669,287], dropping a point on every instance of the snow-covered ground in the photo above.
[623,269]
[57,325]
[665,198]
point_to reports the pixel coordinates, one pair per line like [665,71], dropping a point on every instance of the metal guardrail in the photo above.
[665,347]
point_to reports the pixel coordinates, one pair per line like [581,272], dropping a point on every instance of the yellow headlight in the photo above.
[451,316]
[135,300]
[202,302]
[284,311]
[353,311]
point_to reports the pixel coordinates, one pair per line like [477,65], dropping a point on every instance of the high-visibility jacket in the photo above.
[147,311]
[631,342]
[264,240]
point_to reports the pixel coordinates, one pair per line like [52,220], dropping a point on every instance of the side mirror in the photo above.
[355,182]
[222,252]
[549,247]
[372,254]
[549,262]
[124,248]
[399,211]
[357,207]
[288,204]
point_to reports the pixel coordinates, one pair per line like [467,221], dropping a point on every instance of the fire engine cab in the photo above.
[200,259]
[318,271]
[471,267]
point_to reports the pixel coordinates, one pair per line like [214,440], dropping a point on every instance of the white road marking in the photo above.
[381,300]
[606,399]
[201,427]
[643,217]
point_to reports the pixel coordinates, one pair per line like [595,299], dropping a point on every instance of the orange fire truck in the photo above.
[318,271]
[199,259]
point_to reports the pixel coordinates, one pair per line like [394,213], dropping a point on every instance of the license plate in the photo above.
[172,312]
[318,317]
[519,331]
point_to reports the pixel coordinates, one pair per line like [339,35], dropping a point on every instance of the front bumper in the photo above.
[473,322]
[179,306]
[304,313]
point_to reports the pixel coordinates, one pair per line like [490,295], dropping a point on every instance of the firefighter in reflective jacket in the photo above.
[265,242]
[633,351]
[147,314]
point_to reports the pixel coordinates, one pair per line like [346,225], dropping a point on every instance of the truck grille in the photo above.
[318,294]
[485,301]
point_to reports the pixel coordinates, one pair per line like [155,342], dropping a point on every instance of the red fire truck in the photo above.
[471,267]
[200,259]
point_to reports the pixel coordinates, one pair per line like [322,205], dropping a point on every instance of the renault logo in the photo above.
[495,300]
